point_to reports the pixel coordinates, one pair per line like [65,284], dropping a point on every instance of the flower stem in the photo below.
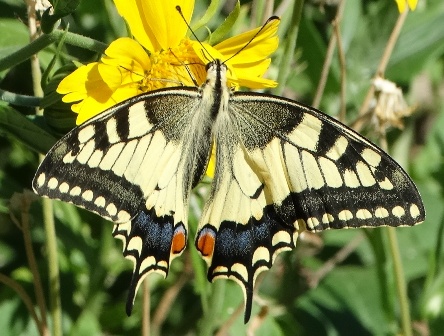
[25,206]
[53,267]
[401,288]
[208,322]
[328,58]
[18,99]
[343,67]
[43,41]
[22,203]
[26,299]
[400,282]
[30,51]
[384,59]
[146,308]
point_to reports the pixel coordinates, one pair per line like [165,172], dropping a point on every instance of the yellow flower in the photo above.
[248,66]
[161,55]
[402,5]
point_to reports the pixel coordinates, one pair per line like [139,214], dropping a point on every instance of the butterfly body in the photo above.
[281,168]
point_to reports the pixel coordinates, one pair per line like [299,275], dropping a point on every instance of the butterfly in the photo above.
[281,168]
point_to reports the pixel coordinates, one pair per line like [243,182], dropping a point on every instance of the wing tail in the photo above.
[150,242]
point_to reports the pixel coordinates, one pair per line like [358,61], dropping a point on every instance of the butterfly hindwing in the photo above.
[150,242]
[134,164]
[240,233]
[292,168]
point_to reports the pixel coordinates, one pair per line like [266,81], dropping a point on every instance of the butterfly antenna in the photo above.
[254,36]
[152,79]
[192,32]
[186,68]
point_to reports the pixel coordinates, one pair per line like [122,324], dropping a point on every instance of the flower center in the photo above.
[178,66]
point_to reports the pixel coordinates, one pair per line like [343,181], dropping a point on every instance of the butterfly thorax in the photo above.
[215,93]
[214,100]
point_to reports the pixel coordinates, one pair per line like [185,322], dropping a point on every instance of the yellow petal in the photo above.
[259,46]
[255,82]
[74,82]
[90,106]
[401,5]
[206,52]
[95,87]
[127,54]
[246,74]
[132,12]
[252,69]
[156,24]
[251,75]
[211,163]
[245,55]
[412,4]
[84,82]
[111,79]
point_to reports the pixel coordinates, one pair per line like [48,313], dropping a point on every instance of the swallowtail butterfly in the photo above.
[281,168]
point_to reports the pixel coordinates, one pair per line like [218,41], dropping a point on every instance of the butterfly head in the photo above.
[216,74]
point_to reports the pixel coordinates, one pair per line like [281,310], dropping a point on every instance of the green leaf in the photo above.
[313,53]
[8,317]
[60,9]
[58,115]
[14,36]
[87,324]
[17,125]
[210,12]
[421,40]
[433,301]
[226,26]
[346,302]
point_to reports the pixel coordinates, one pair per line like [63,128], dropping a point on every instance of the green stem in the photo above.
[384,60]
[401,287]
[377,242]
[400,282]
[26,299]
[47,206]
[53,267]
[18,99]
[438,250]
[25,205]
[328,58]
[290,47]
[146,308]
[50,235]
[209,320]
[45,40]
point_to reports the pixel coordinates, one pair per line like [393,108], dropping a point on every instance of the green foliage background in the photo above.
[358,296]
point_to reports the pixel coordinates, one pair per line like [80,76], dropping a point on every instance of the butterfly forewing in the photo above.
[324,175]
[133,164]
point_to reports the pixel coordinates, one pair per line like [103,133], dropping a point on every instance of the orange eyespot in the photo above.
[206,241]
[179,240]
